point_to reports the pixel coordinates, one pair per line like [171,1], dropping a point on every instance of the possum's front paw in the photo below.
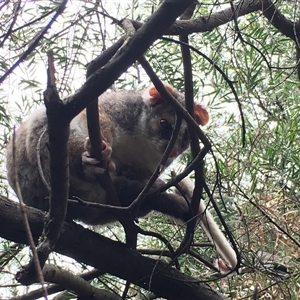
[92,163]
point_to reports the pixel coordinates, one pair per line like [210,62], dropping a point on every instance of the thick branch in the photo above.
[211,21]
[114,257]
[58,133]
[216,19]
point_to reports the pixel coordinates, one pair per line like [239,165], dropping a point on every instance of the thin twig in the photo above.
[30,239]
[165,241]
[195,148]
[36,41]
[230,83]
[9,31]
[30,22]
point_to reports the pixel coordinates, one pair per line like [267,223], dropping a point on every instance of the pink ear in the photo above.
[152,96]
[155,96]
[201,115]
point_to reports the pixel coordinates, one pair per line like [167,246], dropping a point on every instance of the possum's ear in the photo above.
[152,97]
[201,114]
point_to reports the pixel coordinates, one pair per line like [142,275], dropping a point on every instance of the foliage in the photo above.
[255,185]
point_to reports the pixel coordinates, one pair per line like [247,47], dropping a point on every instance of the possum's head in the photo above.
[161,119]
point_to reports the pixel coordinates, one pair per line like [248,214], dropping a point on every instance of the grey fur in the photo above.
[133,129]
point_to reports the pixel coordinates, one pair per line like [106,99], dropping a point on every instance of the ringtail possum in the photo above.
[136,127]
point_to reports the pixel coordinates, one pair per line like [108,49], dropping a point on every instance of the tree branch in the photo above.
[77,284]
[195,147]
[58,133]
[35,263]
[211,21]
[113,257]
[96,139]
[279,21]
[55,288]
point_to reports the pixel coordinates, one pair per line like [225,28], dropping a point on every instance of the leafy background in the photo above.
[256,184]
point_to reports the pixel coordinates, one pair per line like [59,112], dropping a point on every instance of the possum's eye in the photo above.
[165,124]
